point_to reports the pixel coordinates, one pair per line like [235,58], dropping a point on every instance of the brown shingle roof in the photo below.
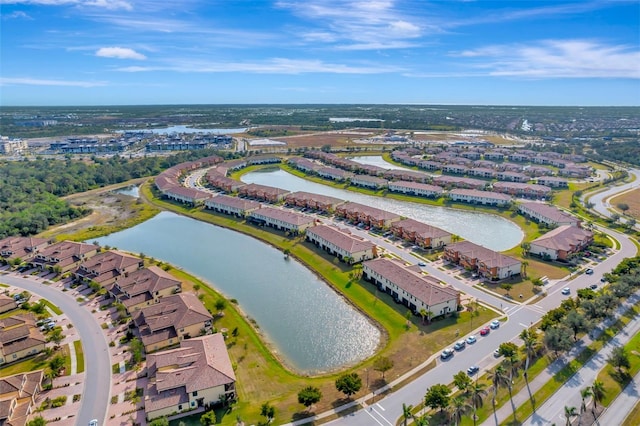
[564,237]
[342,238]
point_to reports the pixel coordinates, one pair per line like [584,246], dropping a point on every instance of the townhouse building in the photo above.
[371,216]
[458,169]
[512,176]
[239,207]
[367,181]
[562,242]
[282,220]
[335,174]
[22,248]
[186,195]
[106,267]
[529,190]
[18,394]
[64,256]
[341,243]
[420,233]
[553,182]
[313,201]
[143,287]
[483,173]
[416,188]
[266,193]
[486,262]
[547,214]
[459,182]
[473,196]
[224,183]
[19,338]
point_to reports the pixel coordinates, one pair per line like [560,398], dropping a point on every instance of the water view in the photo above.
[132,191]
[488,230]
[187,129]
[308,324]
[376,160]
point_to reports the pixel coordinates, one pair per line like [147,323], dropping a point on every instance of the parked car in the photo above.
[473,370]
[93,422]
[484,331]
[566,291]
[494,324]
[460,345]
[593,286]
[447,353]
[471,339]
[497,353]
[588,271]
[422,264]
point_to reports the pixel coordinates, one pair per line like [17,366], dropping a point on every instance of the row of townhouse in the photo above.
[222,182]
[341,243]
[106,267]
[143,287]
[370,216]
[18,394]
[63,256]
[282,220]
[529,190]
[547,214]
[416,189]
[19,338]
[421,234]
[486,262]
[407,285]
[266,193]
[552,181]
[16,249]
[562,242]
[309,200]
[473,196]
[239,207]
[371,182]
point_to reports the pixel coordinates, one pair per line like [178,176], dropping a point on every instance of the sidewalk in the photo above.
[622,406]
[505,411]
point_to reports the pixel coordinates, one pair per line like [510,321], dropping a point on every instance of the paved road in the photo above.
[601,199]
[552,411]
[97,386]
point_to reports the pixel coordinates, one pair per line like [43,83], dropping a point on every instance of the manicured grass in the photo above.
[31,364]
[634,417]
[53,307]
[609,377]
[77,345]
[64,351]
[632,199]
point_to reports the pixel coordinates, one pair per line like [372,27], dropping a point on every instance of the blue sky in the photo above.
[122,52]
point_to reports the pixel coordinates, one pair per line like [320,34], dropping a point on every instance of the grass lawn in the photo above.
[263,378]
[77,345]
[631,199]
[613,383]
[53,307]
[634,417]
[31,364]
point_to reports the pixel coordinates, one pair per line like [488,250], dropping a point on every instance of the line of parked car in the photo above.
[461,344]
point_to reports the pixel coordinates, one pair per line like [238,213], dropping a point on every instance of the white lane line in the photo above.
[381,416]
[371,415]
[380,407]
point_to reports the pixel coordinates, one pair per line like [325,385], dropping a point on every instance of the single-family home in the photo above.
[18,394]
[19,338]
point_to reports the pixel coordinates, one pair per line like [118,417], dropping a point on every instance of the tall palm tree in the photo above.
[569,413]
[458,408]
[598,393]
[584,394]
[422,420]
[524,264]
[477,392]
[498,378]
[406,413]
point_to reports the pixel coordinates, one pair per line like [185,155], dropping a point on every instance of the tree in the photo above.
[269,411]
[558,339]
[524,264]
[458,408]
[422,420]
[37,421]
[220,304]
[56,364]
[609,302]
[423,314]
[437,397]
[383,364]
[349,384]
[506,287]
[477,392]
[508,349]
[462,381]
[137,350]
[599,392]
[569,413]
[526,246]
[208,418]
[584,394]
[498,377]
[576,322]
[56,336]
[406,413]
[614,217]
[529,337]
[619,359]
[162,421]
[196,288]
[623,206]
[309,396]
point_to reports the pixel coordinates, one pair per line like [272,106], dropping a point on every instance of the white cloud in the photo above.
[18,14]
[558,59]
[104,4]
[272,66]
[26,81]
[120,53]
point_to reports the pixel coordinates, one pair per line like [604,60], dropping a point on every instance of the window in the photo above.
[195,393]
[180,407]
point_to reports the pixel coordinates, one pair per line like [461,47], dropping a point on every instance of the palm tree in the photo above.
[406,413]
[585,393]
[423,420]
[477,392]
[598,392]
[524,264]
[458,408]
[423,314]
[569,413]
[498,378]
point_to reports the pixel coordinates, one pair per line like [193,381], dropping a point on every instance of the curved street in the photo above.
[97,386]
[601,199]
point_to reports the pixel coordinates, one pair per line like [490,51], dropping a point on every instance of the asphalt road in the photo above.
[600,200]
[97,383]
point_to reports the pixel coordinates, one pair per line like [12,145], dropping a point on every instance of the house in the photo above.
[560,243]
[18,395]
[7,303]
[407,176]
[266,193]
[304,164]
[416,188]
[486,262]
[407,285]
[553,182]
[334,174]
[421,234]
[512,176]
[547,214]
[185,195]
[459,182]
[238,207]
[19,338]
[234,165]
[104,268]
[64,256]
[517,189]
[283,220]
[370,182]
[171,320]
[538,171]
[458,169]
[312,201]
[198,374]
[144,287]
[429,165]
[356,212]
[224,183]
[23,248]
[483,172]
[341,243]
[473,196]
[263,159]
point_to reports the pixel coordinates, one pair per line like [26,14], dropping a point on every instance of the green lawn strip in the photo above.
[53,307]
[541,395]
[77,345]
[612,386]
[67,359]
[31,364]
[633,419]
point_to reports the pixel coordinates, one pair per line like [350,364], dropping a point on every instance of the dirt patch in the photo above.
[632,199]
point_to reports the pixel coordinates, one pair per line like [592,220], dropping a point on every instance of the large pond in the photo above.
[487,230]
[310,326]
[376,160]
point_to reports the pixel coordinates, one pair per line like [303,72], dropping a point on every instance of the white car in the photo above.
[566,291]
[93,422]
[494,324]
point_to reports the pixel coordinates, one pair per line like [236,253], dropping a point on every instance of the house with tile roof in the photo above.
[313,201]
[547,214]
[416,188]
[486,262]
[23,248]
[560,243]
[266,193]
[18,395]
[19,338]
[371,182]
[144,287]
[7,303]
[282,220]
[64,255]
[171,320]
[407,285]
[473,196]
[341,243]
[421,234]
[239,207]
[106,267]
[198,374]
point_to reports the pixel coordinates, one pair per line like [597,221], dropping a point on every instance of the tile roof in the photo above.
[342,238]
[286,216]
[421,229]
[550,212]
[564,238]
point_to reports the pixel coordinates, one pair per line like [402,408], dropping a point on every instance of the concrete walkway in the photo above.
[622,406]
[505,412]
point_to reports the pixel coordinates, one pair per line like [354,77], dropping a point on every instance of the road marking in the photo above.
[524,325]
[371,415]
[380,407]
[381,416]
